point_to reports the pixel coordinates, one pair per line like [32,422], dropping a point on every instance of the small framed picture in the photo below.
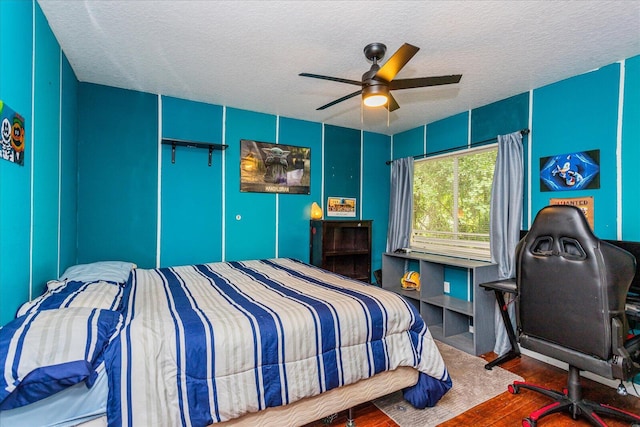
[341,206]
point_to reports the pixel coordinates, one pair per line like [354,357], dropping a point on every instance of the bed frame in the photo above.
[339,399]
[317,407]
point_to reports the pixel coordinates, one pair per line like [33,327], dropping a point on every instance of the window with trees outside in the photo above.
[451,203]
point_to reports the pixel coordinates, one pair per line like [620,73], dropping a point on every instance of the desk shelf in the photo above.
[465,325]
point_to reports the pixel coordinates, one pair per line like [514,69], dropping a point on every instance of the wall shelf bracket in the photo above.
[192,144]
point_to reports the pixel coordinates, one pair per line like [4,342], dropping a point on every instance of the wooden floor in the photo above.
[507,409]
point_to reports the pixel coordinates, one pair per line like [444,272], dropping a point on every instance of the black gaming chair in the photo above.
[571,306]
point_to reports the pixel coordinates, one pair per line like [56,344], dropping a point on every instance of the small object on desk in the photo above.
[500,287]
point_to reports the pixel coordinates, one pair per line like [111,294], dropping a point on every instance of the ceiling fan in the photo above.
[377,83]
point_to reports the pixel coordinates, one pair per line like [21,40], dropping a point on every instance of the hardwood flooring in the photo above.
[508,410]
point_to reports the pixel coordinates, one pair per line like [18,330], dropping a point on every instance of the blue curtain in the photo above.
[506,219]
[400,204]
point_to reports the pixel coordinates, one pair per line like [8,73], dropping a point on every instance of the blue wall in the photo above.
[117,175]
[97,183]
[576,114]
[203,215]
[190,186]
[579,114]
[376,178]
[631,151]
[37,200]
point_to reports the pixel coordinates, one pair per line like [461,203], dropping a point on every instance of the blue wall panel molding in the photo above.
[448,133]
[117,175]
[631,150]
[34,237]
[580,114]
[68,168]
[342,164]
[250,218]
[294,209]
[500,118]
[191,191]
[16,41]
[408,143]
[375,191]
[46,144]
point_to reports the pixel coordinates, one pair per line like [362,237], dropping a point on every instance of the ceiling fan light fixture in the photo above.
[377,83]
[375,95]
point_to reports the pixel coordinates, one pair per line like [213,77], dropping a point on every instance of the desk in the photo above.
[500,287]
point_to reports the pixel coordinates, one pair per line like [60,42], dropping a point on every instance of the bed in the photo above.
[227,342]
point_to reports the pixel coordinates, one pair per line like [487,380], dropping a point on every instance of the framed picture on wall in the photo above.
[274,168]
[341,206]
[571,171]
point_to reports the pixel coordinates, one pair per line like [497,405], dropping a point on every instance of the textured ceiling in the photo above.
[247,54]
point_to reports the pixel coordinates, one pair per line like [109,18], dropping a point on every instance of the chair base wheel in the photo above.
[570,402]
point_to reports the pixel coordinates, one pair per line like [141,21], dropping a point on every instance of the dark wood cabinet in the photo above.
[343,247]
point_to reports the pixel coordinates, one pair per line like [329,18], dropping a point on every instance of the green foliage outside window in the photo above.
[452,197]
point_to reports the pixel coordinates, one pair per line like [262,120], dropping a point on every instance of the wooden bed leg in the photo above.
[350,421]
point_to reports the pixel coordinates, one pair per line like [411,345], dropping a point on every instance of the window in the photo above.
[451,203]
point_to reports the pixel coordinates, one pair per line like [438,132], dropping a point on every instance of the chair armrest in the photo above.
[625,354]
[504,285]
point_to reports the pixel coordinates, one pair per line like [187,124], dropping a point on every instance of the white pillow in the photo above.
[100,294]
[48,351]
[107,271]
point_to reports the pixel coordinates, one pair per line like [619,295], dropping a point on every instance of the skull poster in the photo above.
[11,134]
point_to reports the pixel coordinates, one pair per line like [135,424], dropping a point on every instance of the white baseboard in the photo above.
[585,374]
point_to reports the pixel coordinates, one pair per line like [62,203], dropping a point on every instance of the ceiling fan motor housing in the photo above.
[372,86]
[377,83]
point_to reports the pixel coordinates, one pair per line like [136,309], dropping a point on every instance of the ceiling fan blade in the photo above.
[392,104]
[396,62]
[424,81]
[334,79]
[344,98]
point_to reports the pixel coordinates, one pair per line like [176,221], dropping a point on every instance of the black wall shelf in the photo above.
[192,144]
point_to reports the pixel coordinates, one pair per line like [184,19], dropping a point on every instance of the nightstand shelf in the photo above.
[342,246]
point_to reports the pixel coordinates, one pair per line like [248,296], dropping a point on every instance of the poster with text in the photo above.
[274,168]
[585,204]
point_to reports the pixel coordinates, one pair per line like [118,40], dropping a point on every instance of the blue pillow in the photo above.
[47,351]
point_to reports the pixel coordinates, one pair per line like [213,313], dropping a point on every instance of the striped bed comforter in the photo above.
[207,343]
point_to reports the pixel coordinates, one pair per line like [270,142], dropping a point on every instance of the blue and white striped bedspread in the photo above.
[207,343]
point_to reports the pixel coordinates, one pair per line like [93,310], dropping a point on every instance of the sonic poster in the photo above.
[12,134]
[572,171]
[274,168]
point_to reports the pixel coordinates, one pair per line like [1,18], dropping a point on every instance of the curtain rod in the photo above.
[473,144]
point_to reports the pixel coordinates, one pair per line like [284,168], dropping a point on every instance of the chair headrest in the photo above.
[561,222]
